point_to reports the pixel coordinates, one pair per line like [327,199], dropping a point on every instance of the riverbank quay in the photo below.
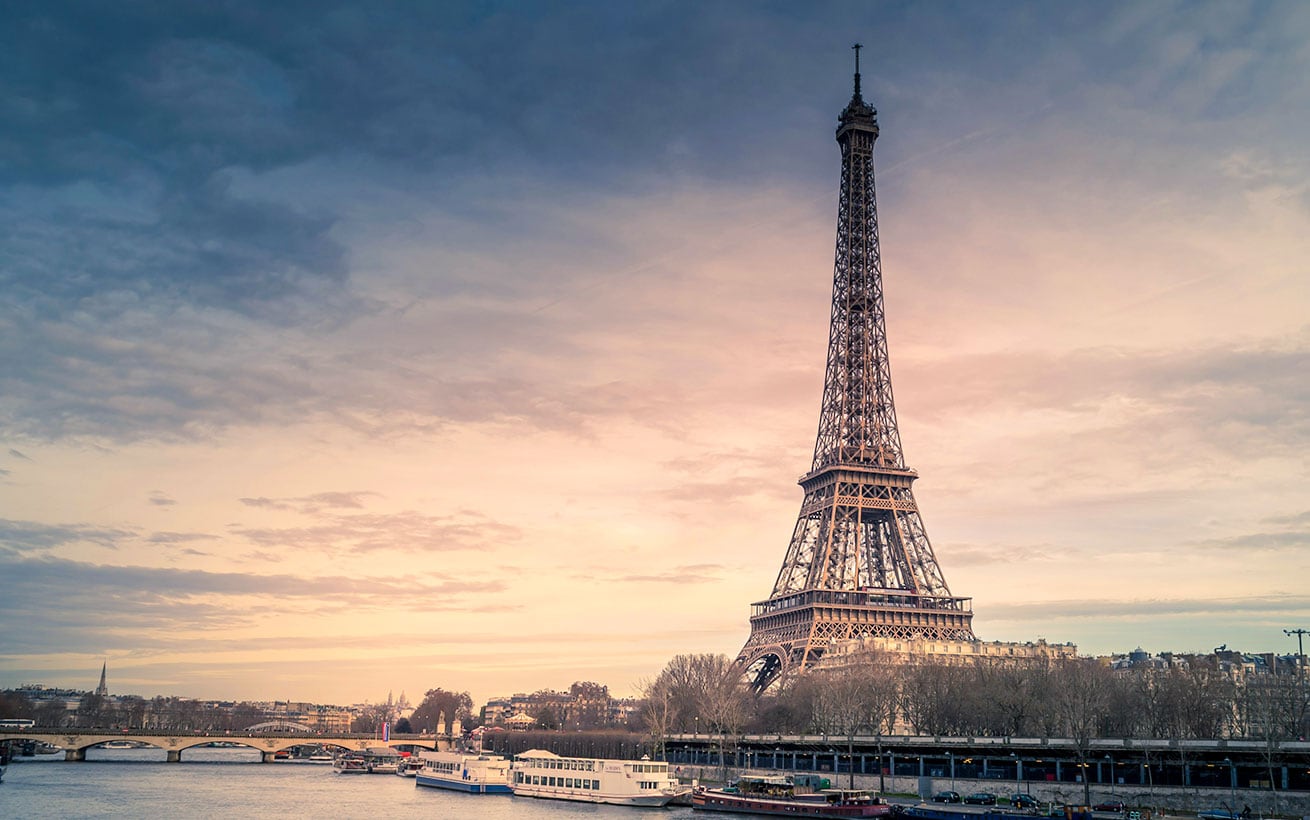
[1169,776]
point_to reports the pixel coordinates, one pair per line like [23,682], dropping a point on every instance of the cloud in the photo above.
[179,537]
[1037,612]
[31,536]
[1296,540]
[131,605]
[312,504]
[680,575]
[407,531]
[160,499]
[985,554]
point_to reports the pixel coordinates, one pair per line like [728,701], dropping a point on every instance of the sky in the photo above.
[350,348]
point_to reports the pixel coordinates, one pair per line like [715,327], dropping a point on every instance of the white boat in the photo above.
[642,782]
[349,763]
[118,744]
[409,766]
[464,772]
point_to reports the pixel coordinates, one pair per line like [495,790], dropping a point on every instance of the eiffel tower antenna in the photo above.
[859,563]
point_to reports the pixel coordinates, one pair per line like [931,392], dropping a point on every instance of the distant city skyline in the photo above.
[351,349]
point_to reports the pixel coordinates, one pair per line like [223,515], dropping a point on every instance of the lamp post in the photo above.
[1300,670]
[951,755]
[882,781]
[1232,785]
[1014,758]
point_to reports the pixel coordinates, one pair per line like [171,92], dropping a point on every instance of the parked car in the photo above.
[946,797]
[980,799]
[1110,805]
[1023,801]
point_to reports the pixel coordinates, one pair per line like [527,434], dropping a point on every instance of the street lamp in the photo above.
[951,755]
[1232,785]
[1014,758]
[1300,665]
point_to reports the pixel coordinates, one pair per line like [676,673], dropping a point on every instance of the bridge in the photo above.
[75,742]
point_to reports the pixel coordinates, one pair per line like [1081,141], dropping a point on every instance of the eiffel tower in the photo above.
[859,563]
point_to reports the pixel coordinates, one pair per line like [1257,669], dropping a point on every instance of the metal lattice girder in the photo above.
[859,530]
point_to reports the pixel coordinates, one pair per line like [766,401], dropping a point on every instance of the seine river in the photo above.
[231,784]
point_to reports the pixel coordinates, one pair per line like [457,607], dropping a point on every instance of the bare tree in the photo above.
[657,714]
[1083,703]
[724,700]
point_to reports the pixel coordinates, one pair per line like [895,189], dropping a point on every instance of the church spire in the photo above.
[103,689]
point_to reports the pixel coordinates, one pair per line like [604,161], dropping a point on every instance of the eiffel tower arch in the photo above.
[859,563]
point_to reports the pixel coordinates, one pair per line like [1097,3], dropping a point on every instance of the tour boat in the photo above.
[118,744]
[784,797]
[464,772]
[593,780]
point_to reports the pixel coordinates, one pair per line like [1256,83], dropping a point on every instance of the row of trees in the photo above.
[870,695]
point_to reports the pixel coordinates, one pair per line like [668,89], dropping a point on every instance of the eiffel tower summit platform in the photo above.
[859,565]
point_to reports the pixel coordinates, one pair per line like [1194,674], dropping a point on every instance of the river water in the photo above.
[232,784]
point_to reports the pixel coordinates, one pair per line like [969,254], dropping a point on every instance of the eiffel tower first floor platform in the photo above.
[791,632]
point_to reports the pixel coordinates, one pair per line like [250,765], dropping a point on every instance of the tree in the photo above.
[548,715]
[787,707]
[589,705]
[859,696]
[16,705]
[935,698]
[92,711]
[1082,700]
[439,710]
[724,700]
[656,714]
[370,719]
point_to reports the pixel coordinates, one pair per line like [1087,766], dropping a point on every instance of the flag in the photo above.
[386,732]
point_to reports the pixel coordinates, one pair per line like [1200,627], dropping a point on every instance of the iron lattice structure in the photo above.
[859,563]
